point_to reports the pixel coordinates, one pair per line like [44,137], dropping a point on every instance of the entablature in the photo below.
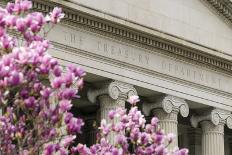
[173,48]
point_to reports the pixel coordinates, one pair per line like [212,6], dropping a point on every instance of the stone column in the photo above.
[111,95]
[167,109]
[212,124]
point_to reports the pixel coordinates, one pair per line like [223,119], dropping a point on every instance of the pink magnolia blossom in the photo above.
[56,15]
[131,130]
[170,137]
[31,100]
[133,99]
[36,96]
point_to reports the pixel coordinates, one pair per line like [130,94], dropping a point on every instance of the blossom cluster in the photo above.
[35,92]
[133,135]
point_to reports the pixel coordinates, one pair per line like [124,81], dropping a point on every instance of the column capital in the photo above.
[169,104]
[115,89]
[216,116]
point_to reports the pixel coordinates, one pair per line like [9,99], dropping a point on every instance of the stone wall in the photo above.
[192,20]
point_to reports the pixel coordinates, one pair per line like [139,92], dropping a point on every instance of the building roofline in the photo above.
[223,8]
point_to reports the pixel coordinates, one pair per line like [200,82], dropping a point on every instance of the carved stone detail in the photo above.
[138,38]
[169,104]
[216,116]
[166,109]
[167,122]
[115,90]
[111,96]
[163,116]
[222,8]
[212,123]
[212,138]
[208,127]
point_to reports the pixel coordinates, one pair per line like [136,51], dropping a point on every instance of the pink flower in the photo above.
[52,132]
[25,5]
[121,140]
[15,78]
[80,83]
[68,93]
[104,127]
[2,31]
[82,149]
[111,114]
[160,149]
[57,82]
[30,102]
[68,117]
[56,15]
[65,105]
[21,25]
[170,137]
[10,7]
[49,149]
[67,140]
[45,93]
[57,71]
[133,99]
[7,42]
[74,125]
[181,152]
[154,121]
[76,70]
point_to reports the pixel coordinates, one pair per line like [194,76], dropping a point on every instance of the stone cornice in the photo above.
[169,104]
[223,8]
[105,27]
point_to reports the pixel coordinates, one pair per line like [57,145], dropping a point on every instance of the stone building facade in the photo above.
[175,54]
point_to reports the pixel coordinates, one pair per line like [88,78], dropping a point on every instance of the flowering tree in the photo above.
[133,135]
[35,108]
[35,97]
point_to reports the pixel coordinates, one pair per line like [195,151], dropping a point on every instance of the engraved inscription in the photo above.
[125,52]
[72,38]
[140,57]
[122,52]
[191,74]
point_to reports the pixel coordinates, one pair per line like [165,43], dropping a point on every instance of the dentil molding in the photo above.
[169,104]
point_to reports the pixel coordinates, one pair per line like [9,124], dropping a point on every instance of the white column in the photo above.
[108,104]
[212,124]
[168,122]
[111,96]
[167,109]
[212,138]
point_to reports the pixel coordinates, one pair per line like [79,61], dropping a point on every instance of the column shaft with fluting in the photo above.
[112,95]
[106,105]
[168,122]
[212,138]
